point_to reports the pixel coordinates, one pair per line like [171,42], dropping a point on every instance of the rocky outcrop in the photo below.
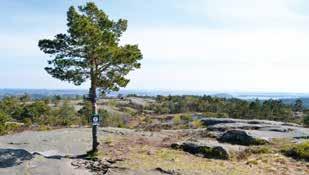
[13,157]
[242,137]
[214,121]
[208,148]
[230,126]
[253,129]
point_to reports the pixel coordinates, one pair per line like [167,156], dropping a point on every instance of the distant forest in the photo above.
[228,107]
[285,98]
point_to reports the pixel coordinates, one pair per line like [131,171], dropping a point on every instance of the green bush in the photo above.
[85,112]
[44,128]
[112,120]
[66,115]
[186,117]
[216,115]
[306,120]
[129,111]
[11,106]
[299,151]
[36,111]
[197,124]
[27,122]
[13,126]
[177,120]
[3,119]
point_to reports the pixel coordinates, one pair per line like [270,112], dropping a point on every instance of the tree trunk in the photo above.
[93,99]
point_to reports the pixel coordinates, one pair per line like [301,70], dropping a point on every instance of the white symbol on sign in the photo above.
[95,119]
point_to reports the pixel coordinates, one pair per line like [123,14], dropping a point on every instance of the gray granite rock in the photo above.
[253,128]
[208,148]
[13,157]
[242,137]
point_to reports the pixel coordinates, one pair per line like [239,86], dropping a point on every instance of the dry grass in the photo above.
[146,153]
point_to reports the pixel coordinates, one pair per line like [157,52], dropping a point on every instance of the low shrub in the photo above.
[11,127]
[254,150]
[27,122]
[196,124]
[114,120]
[298,151]
[306,120]
[186,117]
[177,120]
[3,119]
[216,115]
[44,128]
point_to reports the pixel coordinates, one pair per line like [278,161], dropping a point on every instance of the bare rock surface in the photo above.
[73,141]
[214,121]
[57,152]
[256,129]
[44,152]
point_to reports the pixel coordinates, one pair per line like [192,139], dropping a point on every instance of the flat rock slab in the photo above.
[229,126]
[38,153]
[68,141]
[209,148]
[297,133]
[53,154]
[242,137]
[214,121]
[41,166]
[253,129]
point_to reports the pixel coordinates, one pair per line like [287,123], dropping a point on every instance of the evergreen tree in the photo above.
[298,106]
[90,50]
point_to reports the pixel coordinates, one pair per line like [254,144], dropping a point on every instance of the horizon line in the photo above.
[165,90]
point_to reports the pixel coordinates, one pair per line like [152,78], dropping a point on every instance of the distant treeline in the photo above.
[227,107]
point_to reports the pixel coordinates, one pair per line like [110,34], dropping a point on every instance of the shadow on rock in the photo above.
[13,157]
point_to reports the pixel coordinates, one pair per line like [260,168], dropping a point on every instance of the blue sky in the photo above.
[213,45]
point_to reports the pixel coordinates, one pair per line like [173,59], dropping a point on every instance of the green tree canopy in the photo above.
[298,106]
[90,50]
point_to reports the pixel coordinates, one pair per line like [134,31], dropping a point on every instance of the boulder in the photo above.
[208,148]
[242,137]
[13,157]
